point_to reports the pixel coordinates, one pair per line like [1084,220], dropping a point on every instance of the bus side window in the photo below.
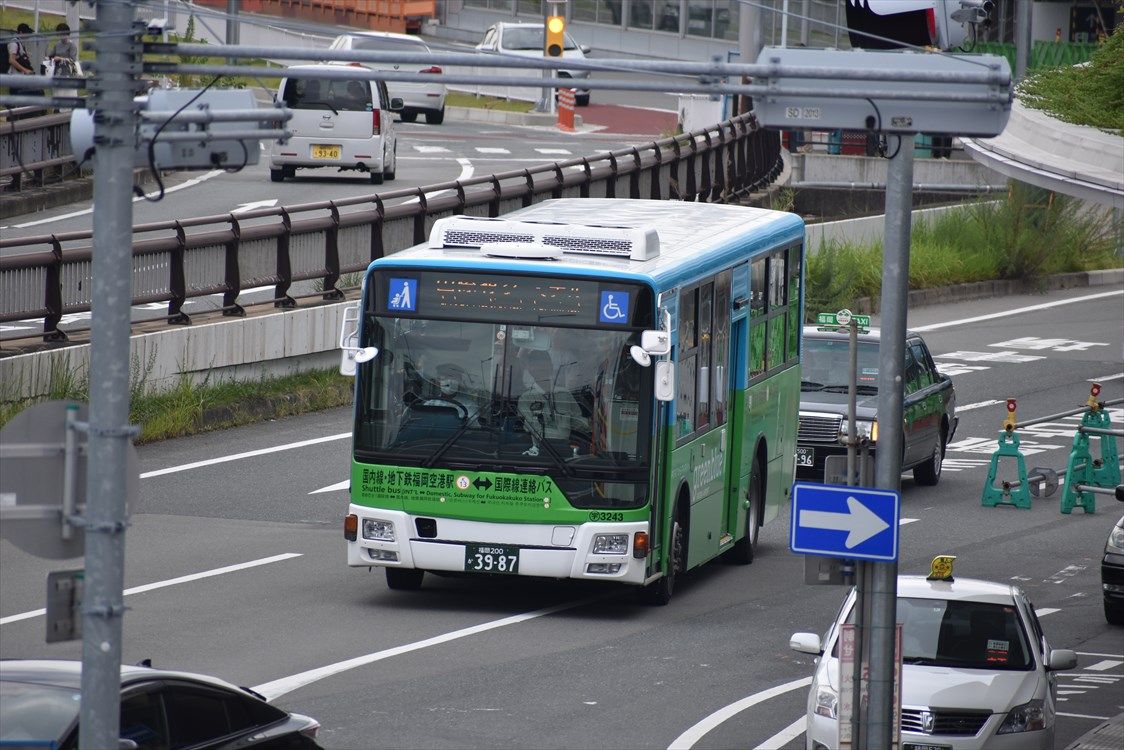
[720,375]
[687,355]
[702,383]
[778,315]
[757,318]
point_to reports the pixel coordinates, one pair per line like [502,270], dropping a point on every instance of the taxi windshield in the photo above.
[962,634]
[825,364]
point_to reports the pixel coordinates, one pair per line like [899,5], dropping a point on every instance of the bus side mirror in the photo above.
[665,380]
[655,342]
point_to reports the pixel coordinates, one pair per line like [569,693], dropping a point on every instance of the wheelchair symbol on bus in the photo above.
[614,307]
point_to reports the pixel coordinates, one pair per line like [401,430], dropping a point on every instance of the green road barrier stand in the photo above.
[1083,469]
[1007,493]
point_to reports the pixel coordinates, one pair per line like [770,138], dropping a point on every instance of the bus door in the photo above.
[728,351]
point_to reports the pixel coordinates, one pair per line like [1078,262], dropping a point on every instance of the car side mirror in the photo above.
[1061,659]
[396,103]
[665,380]
[585,48]
[126,744]
[806,643]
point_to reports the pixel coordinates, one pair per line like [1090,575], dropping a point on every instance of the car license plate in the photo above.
[491,558]
[915,746]
[805,456]
[322,151]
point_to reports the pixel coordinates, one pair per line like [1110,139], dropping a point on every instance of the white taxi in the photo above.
[977,670]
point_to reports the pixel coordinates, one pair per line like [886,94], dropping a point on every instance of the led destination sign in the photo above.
[515,299]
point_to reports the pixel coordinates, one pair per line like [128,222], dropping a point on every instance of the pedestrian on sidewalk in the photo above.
[19,61]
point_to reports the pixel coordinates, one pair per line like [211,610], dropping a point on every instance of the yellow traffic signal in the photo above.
[555,36]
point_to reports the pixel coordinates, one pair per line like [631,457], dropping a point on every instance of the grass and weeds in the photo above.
[1090,94]
[1030,234]
[461,99]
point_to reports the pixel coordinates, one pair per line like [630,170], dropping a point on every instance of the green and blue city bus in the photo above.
[600,389]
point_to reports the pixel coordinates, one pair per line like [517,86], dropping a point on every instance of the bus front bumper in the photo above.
[544,550]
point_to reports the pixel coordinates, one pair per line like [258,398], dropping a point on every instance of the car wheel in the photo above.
[581,100]
[277,175]
[391,173]
[404,579]
[744,550]
[929,473]
[1114,612]
[408,116]
[376,179]
[435,118]
[658,593]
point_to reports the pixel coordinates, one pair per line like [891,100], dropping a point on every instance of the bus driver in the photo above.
[450,385]
[548,413]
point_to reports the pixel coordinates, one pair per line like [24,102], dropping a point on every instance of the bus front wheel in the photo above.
[404,579]
[659,591]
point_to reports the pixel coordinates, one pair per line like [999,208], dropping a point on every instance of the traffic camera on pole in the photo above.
[555,40]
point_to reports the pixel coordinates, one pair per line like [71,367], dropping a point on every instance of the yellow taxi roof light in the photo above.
[941,569]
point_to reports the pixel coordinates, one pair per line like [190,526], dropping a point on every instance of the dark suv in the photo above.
[929,414]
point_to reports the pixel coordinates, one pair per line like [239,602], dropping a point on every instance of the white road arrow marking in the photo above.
[860,522]
[247,207]
[333,487]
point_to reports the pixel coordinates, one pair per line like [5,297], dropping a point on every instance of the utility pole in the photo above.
[883,595]
[232,26]
[749,45]
[113,86]
[1023,41]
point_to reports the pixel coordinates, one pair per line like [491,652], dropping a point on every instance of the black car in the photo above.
[929,413]
[1112,575]
[160,709]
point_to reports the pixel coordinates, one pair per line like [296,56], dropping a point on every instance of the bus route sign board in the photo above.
[837,521]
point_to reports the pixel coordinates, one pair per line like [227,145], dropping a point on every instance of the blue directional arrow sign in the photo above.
[837,521]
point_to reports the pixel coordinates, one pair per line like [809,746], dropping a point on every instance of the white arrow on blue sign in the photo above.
[852,522]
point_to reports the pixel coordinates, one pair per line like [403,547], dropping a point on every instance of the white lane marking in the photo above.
[553,150]
[247,454]
[333,487]
[277,688]
[785,736]
[1093,653]
[466,172]
[1017,311]
[1004,356]
[170,582]
[688,739]
[1046,611]
[1084,716]
[190,183]
[1057,345]
[491,150]
[1106,378]
[431,149]
[1097,679]
[904,521]
[978,405]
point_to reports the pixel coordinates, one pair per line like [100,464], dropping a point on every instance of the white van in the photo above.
[342,123]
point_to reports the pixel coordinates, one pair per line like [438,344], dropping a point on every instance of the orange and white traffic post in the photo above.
[566,105]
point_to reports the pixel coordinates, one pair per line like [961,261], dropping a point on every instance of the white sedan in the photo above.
[977,671]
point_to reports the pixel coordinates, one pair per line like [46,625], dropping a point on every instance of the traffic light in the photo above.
[555,40]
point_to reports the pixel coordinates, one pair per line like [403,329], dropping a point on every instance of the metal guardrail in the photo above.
[34,147]
[174,261]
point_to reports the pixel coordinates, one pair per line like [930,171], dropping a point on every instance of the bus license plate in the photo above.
[322,151]
[805,456]
[491,558]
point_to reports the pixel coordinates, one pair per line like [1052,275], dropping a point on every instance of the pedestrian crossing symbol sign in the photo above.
[402,295]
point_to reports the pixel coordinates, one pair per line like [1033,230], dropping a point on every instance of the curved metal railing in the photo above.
[173,261]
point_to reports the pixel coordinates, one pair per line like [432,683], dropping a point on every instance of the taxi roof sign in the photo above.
[842,319]
[941,568]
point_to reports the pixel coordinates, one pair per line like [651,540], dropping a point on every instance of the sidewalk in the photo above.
[1108,735]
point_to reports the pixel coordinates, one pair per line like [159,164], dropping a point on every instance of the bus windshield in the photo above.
[568,401]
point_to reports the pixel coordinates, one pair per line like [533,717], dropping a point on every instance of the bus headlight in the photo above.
[610,544]
[378,531]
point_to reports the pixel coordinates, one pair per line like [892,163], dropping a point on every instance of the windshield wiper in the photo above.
[325,104]
[927,661]
[868,389]
[557,458]
[429,462]
[811,385]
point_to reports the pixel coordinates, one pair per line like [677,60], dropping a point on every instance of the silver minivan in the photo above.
[342,123]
